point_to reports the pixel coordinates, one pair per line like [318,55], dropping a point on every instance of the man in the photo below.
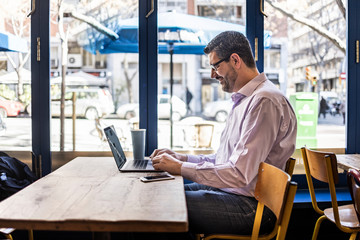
[260,128]
[323,107]
[189,97]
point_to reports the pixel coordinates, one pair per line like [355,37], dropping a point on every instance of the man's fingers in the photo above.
[155,153]
[158,152]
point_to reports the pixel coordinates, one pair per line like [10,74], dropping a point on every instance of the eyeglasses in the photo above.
[216,65]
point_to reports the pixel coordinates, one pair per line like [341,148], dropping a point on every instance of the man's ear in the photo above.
[236,60]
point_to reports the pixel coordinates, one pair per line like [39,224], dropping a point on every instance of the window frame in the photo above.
[148,77]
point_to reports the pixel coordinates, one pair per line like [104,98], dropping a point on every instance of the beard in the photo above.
[229,81]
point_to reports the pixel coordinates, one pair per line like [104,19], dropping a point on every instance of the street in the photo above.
[330,134]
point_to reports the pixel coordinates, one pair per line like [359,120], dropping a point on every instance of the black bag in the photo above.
[15,175]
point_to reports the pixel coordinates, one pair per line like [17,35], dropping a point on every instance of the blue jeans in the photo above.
[211,210]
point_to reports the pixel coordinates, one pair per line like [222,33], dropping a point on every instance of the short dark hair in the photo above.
[229,42]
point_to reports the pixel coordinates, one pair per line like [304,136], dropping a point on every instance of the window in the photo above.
[295,74]
[302,48]
[15,79]
[196,97]
[105,81]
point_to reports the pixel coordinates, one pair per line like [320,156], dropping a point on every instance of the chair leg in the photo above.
[8,236]
[353,236]
[199,236]
[317,227]
[31,234]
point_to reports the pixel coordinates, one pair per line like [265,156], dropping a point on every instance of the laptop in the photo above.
[122,163]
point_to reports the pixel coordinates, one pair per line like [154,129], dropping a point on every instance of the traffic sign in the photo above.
[343,76]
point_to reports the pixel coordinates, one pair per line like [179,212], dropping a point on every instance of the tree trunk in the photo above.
[20,88]
[129,79]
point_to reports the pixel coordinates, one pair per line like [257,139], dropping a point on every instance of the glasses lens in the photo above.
[216,65]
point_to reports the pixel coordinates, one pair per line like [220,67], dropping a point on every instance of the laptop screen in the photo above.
[115,146]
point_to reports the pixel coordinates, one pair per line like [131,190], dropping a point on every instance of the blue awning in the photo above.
[12,43]
[189,34]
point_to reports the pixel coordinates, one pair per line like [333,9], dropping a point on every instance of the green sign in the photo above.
[305,105]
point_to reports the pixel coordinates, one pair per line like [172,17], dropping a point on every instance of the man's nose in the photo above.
[213,73]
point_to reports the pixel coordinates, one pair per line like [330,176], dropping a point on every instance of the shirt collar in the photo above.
[237,97]
[248,89]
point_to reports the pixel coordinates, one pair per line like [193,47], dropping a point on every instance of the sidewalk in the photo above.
[331,132]
[331,120]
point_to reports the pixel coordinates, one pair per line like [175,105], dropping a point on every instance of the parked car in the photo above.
[131,110]
[10,108]
[218,109]
[128,110]
[91,103]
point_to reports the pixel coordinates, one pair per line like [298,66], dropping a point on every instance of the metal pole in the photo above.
[171,51]
[73,119]
[62,110]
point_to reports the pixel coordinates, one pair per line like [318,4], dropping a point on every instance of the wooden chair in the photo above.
[290,166]
[7,232]
[323,167]
[204,134]
[99,129]
[274,190]
[353,180]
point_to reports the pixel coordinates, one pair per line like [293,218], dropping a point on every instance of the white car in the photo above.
[218,109]
[131,110]
[90,103]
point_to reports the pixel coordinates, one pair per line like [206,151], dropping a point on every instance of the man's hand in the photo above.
[168,163]
[178,156]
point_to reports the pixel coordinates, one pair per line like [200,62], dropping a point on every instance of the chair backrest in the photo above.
[204,134]
[290,166]
[315,164]
[323,167]
[274,190]
[353,179]
[271,187]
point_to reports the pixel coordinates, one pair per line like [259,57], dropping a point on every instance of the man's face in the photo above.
[224,73]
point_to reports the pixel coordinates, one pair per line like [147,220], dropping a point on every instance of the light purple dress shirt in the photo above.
[260,128]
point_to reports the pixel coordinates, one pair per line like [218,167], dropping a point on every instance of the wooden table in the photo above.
[347,161]
[90,194]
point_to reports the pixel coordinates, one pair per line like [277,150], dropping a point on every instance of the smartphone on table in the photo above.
[153,178]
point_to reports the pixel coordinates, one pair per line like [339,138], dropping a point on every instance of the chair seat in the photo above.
[6,230]
[347,213]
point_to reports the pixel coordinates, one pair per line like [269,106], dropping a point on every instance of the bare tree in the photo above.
[103,19]
[319,50]
[14,16]
[128,78]
[321,30]
[341,7]
[327,32]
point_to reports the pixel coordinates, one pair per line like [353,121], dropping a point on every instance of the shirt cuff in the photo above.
[188,170]
[193,159]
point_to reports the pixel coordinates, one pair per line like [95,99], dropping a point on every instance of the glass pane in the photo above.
[310,69]
[200,106]
[15,77]
[101,76]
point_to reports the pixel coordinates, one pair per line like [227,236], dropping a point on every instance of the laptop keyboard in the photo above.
[140,164]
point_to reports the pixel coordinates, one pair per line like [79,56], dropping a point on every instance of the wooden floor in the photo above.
[301,227]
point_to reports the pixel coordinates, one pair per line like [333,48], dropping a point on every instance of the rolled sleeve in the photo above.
[201,158]
[188,170]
